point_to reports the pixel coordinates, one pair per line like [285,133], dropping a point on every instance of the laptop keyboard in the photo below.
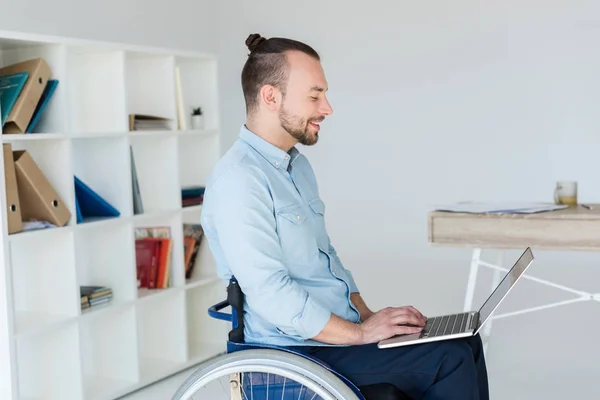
[445,325]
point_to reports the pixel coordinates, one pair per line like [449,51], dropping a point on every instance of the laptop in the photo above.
[468,323]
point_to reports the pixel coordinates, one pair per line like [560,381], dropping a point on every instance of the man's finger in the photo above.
[407,318]
[404,330]
[416,312]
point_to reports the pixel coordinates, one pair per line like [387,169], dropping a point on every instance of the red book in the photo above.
[147,253]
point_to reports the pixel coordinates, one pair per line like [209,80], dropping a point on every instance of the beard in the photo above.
[298,127]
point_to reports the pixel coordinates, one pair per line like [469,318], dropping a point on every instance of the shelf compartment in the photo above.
[109,348]
[206,336]
[49,365]
[197,155]
[96,91]
[103,165]
[53,118]
[174,225]
[54,160]
[199,89]
[104,257]
[150,85]
[161,334]
[157,168]
[44,283]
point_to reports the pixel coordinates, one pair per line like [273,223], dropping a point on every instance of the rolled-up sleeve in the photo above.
[242,211]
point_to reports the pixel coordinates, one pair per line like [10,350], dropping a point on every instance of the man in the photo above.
[264,221]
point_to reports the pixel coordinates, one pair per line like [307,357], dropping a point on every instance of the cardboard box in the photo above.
[21,113]
[13,207]
[38,198]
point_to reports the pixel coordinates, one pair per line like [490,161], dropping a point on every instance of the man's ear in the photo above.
[270,96]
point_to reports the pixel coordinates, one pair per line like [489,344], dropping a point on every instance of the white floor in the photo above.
[162,390]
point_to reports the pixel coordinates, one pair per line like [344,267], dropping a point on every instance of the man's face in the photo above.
[305,105]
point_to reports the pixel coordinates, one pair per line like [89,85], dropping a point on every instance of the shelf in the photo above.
[54,117]
[206,335]
[33,137]
[103,165]
[150,85]
[156,163]
[108,344]
[197,154]
[197,91]
[104,257]
[161,338]
[174,224]
[96,90]
[49,365]
[39,297]
[53,157]
[141,335]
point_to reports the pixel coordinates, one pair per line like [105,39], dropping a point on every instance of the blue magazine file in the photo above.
[10,89]
[46,95]
[91,204]
[78,210]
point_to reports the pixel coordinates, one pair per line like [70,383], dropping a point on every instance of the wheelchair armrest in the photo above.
[215,311]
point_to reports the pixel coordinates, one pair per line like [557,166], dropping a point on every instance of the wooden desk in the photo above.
[574,228]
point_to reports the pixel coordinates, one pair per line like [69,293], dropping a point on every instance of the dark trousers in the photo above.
[448,369]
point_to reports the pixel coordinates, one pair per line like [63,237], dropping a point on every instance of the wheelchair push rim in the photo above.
[290,366]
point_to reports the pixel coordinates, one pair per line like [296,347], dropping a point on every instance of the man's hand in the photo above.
[381,325]
[391,321]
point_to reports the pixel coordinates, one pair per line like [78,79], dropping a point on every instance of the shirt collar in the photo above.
[276,157]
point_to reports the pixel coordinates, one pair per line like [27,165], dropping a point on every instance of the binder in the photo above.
[10,89]
[13,208]
[90,203]
[39,73]
[39,200]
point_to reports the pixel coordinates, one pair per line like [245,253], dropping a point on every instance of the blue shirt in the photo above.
[265,224]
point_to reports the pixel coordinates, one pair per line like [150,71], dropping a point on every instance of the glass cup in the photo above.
[565,193]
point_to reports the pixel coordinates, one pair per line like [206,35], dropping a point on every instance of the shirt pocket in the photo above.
[318,209]
[295,235]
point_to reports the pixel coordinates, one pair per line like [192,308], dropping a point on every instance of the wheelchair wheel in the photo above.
[262,374]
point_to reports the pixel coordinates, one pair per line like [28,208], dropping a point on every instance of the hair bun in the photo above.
[253,41]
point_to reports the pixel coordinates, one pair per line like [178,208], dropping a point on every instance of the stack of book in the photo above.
[192,196]
[92,296]
[153,256]
[139,122]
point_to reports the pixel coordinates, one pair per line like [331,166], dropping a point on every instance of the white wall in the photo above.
[184,24]
[437,102]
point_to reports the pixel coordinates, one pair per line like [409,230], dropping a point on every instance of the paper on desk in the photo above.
[500,208]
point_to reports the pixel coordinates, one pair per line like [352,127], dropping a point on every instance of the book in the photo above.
[147,254]
[192,234]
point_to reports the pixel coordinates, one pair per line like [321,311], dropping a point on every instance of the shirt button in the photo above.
[298,217]
[276,164]
[286,157]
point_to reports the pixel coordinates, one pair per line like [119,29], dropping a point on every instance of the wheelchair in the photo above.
[261,372]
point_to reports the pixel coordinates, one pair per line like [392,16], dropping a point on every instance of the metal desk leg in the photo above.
[475,261]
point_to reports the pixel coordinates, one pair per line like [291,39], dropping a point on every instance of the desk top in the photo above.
[578,212]
[573,228]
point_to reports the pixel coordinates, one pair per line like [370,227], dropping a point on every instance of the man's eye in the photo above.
[314,98]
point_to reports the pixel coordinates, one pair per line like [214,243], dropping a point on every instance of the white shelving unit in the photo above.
[58,350]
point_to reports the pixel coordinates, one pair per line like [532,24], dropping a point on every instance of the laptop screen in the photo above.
[505,285]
